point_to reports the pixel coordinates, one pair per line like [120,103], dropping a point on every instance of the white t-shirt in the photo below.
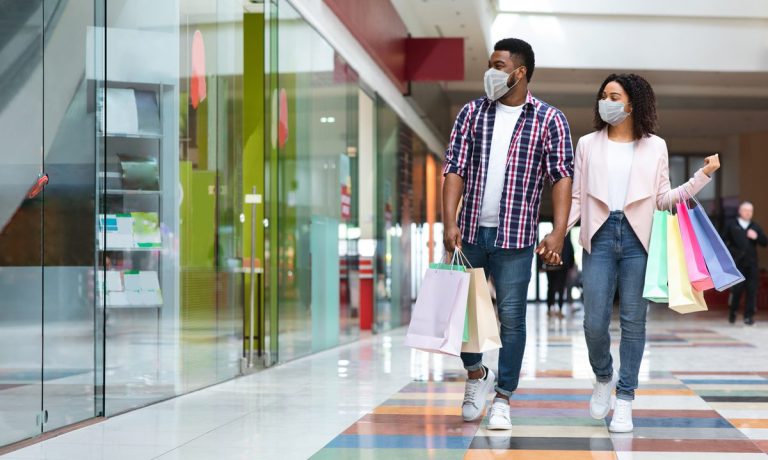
[503,127]
[744,223]
[619,161]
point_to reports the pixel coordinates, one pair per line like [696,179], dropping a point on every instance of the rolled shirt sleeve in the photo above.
[559,148]
[458,152]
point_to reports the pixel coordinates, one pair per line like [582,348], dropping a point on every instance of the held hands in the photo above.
[550,249]
[751,234]
[711,164]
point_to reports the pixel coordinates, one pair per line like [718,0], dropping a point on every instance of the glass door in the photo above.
[21,219]
[48,347]
[69,215]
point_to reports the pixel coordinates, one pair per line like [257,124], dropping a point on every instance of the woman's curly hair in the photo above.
[643,103]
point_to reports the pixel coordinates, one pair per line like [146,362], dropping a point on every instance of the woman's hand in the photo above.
[711,164]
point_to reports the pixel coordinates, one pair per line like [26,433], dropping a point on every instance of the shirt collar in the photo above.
[530,101]
[744,223]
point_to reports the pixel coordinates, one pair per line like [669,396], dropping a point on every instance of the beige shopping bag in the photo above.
[683,298]
[481,315]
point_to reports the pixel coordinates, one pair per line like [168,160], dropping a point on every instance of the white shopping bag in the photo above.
[437,321]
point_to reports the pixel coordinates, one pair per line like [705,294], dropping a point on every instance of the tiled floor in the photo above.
[703,395]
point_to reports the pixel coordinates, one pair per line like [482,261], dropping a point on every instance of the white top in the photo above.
[503,127]
[620,156]
[744,223]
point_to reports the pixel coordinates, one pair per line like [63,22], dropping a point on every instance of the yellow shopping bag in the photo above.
[481,316]
[683,298]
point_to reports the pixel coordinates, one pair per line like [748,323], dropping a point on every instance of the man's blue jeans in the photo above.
[618,259]
[511,273]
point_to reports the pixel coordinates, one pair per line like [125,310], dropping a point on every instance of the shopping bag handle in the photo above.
[461,253]
[691,196]
[455,260]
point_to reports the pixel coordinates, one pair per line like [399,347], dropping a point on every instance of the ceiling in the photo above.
[691,103]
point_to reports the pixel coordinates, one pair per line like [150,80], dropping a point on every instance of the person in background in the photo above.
[742,236]
[503,148]
[557,275]
[621,177]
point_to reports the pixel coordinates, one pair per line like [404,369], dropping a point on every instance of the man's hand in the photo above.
[550,248]
[452,238]
[751,234]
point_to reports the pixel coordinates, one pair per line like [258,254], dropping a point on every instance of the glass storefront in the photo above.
[210,191]
[317,248]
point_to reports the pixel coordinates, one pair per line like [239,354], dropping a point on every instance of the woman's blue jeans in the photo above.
[617,261]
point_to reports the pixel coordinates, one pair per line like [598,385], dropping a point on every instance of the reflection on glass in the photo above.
[319,228]
[21,281]
[169,219]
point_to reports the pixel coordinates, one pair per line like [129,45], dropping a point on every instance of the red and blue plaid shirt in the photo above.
[540,148]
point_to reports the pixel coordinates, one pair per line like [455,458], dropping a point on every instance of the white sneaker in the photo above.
[622,417]
[498,416]
[476,396]
[602,396]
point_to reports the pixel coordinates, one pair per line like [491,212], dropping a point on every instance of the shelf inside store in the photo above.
[132,192]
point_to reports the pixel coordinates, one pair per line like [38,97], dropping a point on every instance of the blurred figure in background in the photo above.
[557,275]
[742,235]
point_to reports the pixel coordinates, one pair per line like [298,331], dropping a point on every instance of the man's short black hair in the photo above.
[515,46]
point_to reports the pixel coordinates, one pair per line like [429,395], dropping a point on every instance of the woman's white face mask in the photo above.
[612,112]
[496,83]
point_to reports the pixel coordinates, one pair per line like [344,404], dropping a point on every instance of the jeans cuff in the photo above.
[604,379]
[625,395]
[474,367]
[504,392]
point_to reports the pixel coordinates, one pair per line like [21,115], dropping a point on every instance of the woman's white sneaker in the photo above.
[622,417]
[476,396]
[602,396]
[498,416]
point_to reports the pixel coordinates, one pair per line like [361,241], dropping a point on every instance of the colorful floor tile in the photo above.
[673,419]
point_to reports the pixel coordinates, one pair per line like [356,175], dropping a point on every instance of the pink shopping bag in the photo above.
[694,258]
[437,321]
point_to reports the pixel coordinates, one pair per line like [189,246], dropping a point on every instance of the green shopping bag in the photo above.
[655,287]
[457,268]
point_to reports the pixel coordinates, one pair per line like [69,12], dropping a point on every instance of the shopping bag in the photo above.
[439,315]
[481,316]
[459,268]
[683,298]
[718,258]
[694,259]
[655,287]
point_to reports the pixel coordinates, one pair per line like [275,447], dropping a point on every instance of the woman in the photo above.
[621,177]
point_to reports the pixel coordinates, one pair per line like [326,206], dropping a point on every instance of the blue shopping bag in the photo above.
[718,258]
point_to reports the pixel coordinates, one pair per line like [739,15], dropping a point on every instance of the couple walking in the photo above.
[502,149]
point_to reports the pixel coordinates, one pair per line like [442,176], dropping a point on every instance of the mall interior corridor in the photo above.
[225,228]
[703,395]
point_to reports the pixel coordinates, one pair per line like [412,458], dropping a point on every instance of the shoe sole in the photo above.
[499,427]
[488,387]
[621,430]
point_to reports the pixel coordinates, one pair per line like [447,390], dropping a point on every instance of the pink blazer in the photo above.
[649,187]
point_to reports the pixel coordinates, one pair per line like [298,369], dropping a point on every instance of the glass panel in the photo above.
[388,229]
[677,174]
[21,129]
[318,122]
[171,219]
[707,194]
[69,216]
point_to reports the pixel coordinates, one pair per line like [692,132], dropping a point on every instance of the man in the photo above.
[742,236]
[502,148]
